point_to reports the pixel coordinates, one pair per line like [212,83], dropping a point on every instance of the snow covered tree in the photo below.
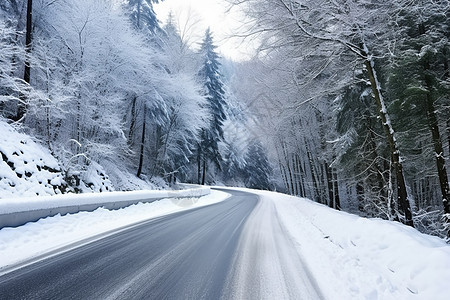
[213,90]
[257,169]
[11,86]
[142,15]
[418,81]
[338,31]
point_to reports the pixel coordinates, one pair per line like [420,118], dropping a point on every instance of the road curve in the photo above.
[186,255]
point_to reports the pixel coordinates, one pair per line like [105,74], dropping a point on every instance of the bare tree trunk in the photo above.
[313,175]
[133,120]
[360,196]
[402,194]
[437,143]
[299,170]
[22,107]
[294,175]
[337,199]
[329,185]
[289,171]
[448,135]
[138,16]
[141,152]
[204,171]
[28,40]
[282,169]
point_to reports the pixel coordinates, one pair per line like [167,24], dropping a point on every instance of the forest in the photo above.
[345,102]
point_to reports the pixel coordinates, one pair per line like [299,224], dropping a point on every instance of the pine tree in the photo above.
[257,169]
[214,92]
[419,81]
[143,16]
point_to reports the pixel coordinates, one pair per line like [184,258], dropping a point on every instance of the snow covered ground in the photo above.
[357,258]
[33,239]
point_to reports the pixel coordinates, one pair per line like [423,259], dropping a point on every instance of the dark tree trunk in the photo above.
[141,152]
[437,143]
[448,135]
[22,107]
[300,176]
[290,180]
[360,196]
[294,176]
[28,40]
[282,170]
[329,185]
[138,15]
[313,176]
[133,120]
[402,194]
[337,200]
[204,172]
[199,164]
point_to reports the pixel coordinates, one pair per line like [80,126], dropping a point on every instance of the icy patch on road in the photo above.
[33,239]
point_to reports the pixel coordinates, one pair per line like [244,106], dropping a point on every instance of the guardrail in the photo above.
[19,211]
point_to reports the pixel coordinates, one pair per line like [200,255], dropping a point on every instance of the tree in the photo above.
[336,31]
[419,79]
[213,90]
[11,86]
[257,169]
[21,108]
[143,16]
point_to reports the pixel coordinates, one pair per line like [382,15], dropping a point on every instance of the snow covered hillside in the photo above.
[26,168]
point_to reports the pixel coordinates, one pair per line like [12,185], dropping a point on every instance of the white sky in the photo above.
[201,14]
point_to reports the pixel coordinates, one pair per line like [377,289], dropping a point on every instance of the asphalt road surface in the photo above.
[202,253]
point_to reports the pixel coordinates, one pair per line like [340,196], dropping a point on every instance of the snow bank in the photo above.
[18,211]
[33,239]
[358,258]
[26,168]
[15,205]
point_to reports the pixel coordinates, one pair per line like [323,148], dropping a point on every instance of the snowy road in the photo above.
[231,250]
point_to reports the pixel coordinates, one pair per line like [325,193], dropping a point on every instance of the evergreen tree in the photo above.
[143,16]
[213,89]
[258,170]
[419,84]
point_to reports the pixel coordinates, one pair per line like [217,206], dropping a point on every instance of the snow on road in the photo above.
[350,257]
[267,265]
[36,238]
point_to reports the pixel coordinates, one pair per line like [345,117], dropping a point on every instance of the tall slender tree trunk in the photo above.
[289,180]
[402,194]
[282,169]
[141,152]
[199,163]
[294,175]
[437,143]
[133,120]
[138,15]
[448,135]
[313,175]
[28,40]
[329,177]
[22,107]
[337,199]
[300,172]
[204,171]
